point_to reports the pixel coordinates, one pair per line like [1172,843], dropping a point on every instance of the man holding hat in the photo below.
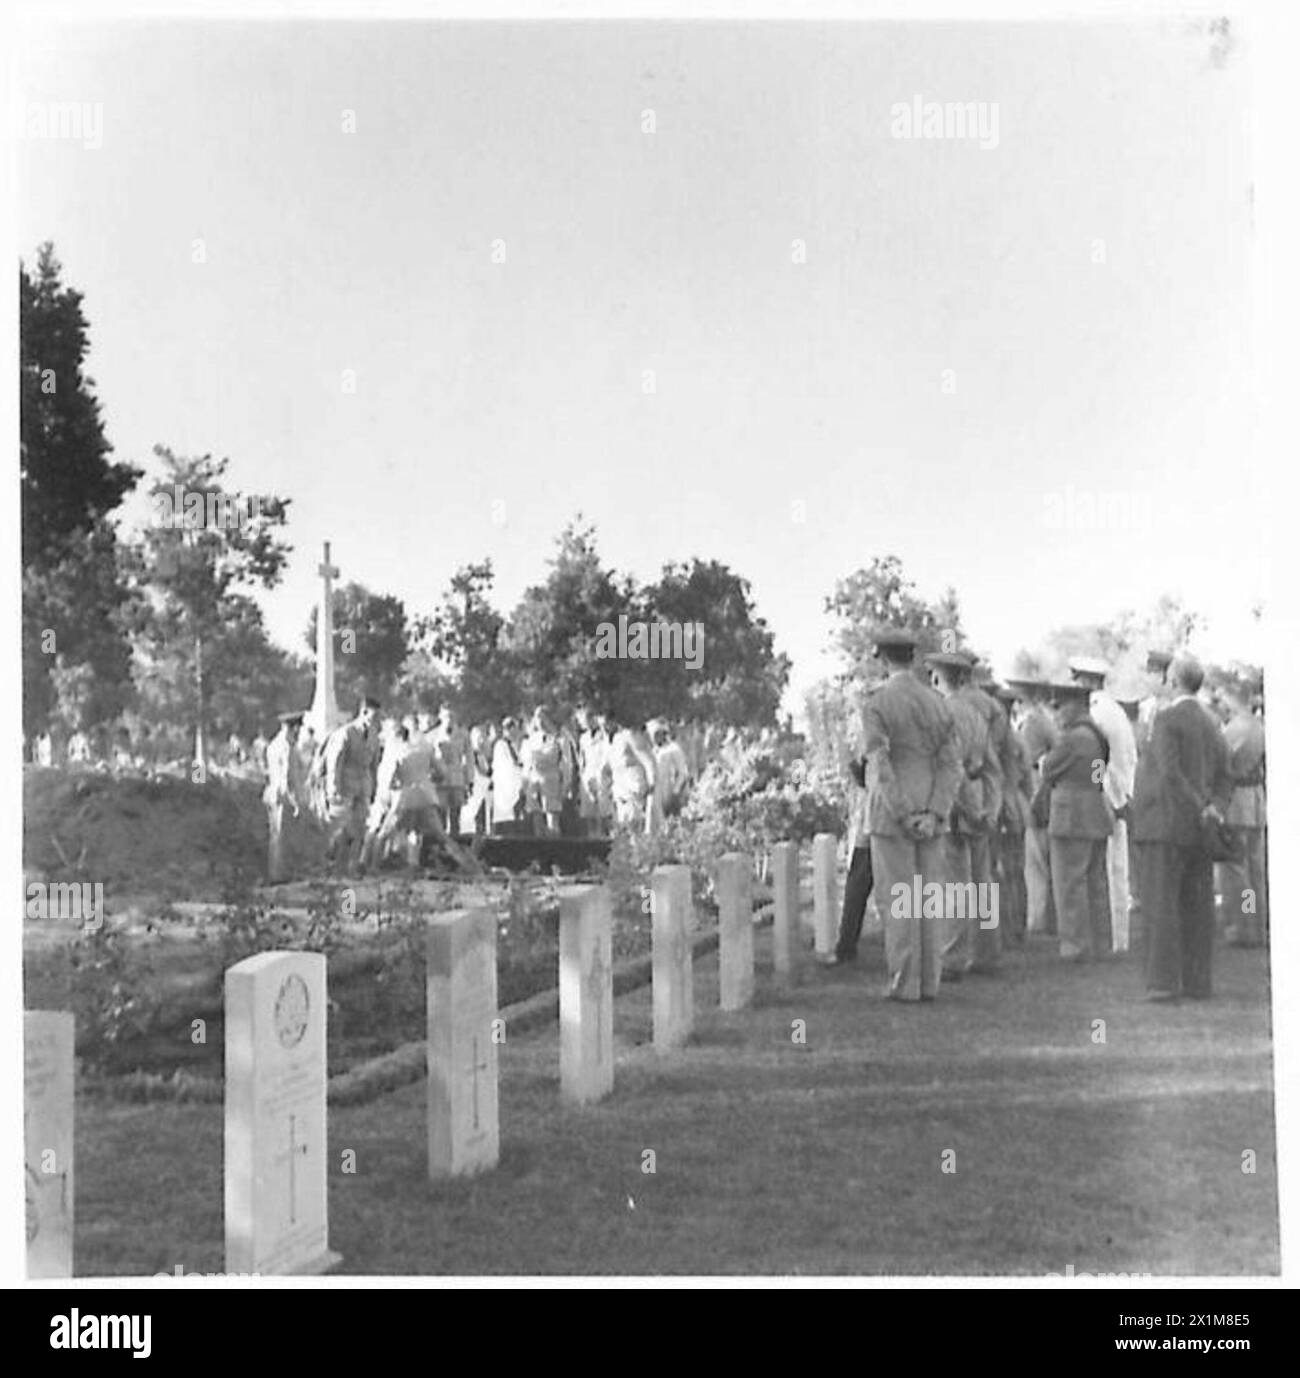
[1105,711]
[1183,780]
[909,742]
[1080,822]
[286,788]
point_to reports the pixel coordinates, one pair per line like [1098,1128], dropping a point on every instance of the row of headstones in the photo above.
[275,1053]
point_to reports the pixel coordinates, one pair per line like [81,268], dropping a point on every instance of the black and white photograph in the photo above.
[649,651]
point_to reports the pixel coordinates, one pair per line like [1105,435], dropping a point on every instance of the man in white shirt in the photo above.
[672,771]
[1117,785]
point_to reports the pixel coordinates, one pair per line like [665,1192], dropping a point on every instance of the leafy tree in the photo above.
[76,654]
[68,482]
[370,643]
[882,596]
[740,678]
[459,657]
[553,633]
[191,571]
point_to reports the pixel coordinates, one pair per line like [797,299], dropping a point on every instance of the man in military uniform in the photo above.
[1080,822]
[975,810]
[1038,732]
[1106,712]
[1017,788]
[286,791]
[1244,883]
[349,761]
[909,740]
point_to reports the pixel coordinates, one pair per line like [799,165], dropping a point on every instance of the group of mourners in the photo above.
[1102,822]
[375,783]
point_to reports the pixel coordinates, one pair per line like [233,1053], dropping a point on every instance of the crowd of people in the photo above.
[1095,820]
[377,782]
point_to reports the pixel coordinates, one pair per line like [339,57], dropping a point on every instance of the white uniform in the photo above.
[1117,786]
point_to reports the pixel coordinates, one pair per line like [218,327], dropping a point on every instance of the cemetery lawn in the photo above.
[776,1157]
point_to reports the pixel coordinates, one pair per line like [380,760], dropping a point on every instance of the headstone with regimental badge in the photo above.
[275,1159]
[48,1050]
[586,994]
[671,965]
[735,932]
[785,912]
[824,893]
[464,1134]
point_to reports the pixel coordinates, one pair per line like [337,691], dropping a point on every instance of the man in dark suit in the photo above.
[1182,778]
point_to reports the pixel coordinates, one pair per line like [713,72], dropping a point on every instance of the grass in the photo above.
[773,1156]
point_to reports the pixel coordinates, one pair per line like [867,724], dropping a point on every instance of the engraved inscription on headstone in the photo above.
[673,993]
[735,932]
[275,1140]
[463,1124]
[48,1045]
[586,994]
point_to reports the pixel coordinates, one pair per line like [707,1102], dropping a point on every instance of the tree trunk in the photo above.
[200,752]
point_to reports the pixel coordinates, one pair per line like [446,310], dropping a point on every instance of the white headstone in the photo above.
[735,932]
[586,994]
[672,978]
[275,1164]
[824,894]
[464,1134]
[785,912]
[48,1048]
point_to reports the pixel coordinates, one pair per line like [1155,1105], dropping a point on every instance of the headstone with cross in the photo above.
[735,931]
[824,893]
[785,912]
[275,1159]
[324,715]
[586,994]
[48,1039]
[671,965]
[461,967]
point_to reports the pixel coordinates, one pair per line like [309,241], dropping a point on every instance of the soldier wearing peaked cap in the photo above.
[975,812]
[911,760]
[1038,732]
[1080,821]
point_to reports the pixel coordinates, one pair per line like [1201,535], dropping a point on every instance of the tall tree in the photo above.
[460,656]
[739,678]
[68,481]
[75,648]
[555,628]
[205,546]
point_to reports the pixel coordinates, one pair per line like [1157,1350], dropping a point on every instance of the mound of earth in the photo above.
[161,837]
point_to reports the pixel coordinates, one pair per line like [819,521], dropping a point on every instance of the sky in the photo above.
[756,326]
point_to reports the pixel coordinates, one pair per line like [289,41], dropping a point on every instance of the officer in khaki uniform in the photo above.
[975,810]
[1081,821]
[909,742]
[1244,883]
